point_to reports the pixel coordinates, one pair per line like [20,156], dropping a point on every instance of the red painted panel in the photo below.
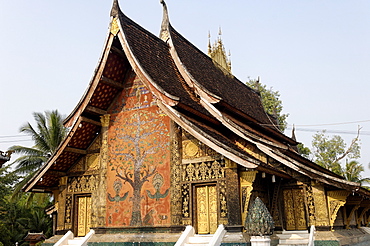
[139,160]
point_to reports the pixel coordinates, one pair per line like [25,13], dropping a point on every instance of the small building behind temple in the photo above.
[4,157]
[165,136]
[34,238]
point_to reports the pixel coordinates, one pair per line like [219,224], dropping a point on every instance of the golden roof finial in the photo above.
[164,33]
[218,53]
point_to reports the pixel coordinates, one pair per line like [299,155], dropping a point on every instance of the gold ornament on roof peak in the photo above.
[114,28]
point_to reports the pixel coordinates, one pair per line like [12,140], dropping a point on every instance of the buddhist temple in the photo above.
[164,138]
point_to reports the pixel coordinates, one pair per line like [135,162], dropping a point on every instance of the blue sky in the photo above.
[315,53]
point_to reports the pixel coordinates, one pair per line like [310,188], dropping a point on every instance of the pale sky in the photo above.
[315,53]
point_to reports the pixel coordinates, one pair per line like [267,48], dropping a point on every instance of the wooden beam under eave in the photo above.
[96,110]
[90,121]
[111,82]
[75,150]
[118,51]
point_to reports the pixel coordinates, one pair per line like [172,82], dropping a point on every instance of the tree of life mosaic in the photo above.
[139,168]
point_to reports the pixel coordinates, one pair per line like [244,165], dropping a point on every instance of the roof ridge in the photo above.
[116,10]
[164,33]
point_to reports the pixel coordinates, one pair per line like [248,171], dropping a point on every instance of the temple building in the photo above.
[165,137]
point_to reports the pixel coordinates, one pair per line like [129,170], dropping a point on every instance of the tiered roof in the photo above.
[200,96]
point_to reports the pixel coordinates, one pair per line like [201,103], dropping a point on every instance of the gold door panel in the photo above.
[83,215]
[206,200]
[294,209]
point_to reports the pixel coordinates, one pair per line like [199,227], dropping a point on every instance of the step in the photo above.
[293,236]
[75,241]
[200,239]
[292,244]
[196,244]
[293,241]
[295,232]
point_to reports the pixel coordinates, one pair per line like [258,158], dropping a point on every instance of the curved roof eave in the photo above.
[214,144]
[38,175]
[81,105]
[140,71]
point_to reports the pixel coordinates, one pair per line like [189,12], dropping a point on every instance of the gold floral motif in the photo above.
[81,184]
[294,209]
[176,198]
[191,149]
[246,185]
[207,170]
[68,210]
[321,209]
[335,199]
[310,205]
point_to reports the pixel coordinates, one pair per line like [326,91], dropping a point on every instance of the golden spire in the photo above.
[217,52]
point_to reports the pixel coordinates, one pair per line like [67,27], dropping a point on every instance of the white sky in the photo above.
[315,53]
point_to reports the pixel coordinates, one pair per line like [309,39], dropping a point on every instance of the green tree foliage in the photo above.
[21,215]
[47,135]
[270,101]
[17,219]
[304,151]
[328,151]
[352,172]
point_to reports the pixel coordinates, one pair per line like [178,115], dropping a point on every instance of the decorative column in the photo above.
[232,195]
[246,186]
[336,199]
[176,157]
[60,203]
[320,205]
[98,211]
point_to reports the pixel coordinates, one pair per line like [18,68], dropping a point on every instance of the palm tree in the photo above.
[352,172]
[47,135]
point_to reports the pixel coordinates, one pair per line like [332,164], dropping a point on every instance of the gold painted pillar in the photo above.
[176,157]
[60,203]
[98,210]
[335,200]
[246,186]
[320,204]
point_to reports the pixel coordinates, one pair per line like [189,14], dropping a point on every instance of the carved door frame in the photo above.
[195,207]
[76,212]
